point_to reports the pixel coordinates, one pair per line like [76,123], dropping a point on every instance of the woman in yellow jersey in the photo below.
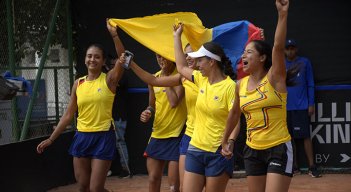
[204,165]
[191,91]
[268,155]
[94,144]
[169,120]
[170,116]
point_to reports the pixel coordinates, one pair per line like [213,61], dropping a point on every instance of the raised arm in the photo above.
[166,81]
[277,73]
[116,40]
[175,95]
[182,66]
[115,74]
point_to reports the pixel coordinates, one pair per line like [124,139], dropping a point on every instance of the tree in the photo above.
[31,20]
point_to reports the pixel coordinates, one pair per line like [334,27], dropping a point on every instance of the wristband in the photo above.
[151,109]
[231,140]
[51,140]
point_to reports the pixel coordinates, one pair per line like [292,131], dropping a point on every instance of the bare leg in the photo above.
[309,150]
[181,170]
[99,169]
[293,143]
[193,182]
[173,176]
[82,171]
[277,183]
[217,184]
[257,183]
[155,170]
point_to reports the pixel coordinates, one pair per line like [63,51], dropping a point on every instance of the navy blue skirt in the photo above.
[96,145]
[163,149]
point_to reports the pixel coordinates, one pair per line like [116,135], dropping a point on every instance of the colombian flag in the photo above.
[156,33]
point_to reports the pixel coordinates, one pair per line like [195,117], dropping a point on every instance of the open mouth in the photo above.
[245,62]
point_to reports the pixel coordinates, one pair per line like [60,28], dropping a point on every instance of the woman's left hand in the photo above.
[227,149]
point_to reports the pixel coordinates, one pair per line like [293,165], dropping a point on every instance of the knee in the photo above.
[83,185]
[154,178]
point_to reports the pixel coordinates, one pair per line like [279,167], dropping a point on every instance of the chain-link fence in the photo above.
[29,23]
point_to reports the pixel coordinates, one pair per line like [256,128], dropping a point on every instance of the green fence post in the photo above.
[11,47]
[40,71]
[69,41]
[57,118]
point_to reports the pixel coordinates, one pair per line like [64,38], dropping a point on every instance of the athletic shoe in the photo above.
[125,174]
[109,173]
[314,172]
[297,171]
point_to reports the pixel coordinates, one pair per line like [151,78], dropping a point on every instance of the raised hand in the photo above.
[178,29]
[282,5]
[111,29]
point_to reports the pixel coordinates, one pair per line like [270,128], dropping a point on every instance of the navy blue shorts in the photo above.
[207,163]
[163,149]
[277,159]
[298,124]
[184,144]
[96,145]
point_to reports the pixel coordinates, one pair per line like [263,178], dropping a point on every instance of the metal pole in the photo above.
[57,119]
[70,48]
[40,71]
[69,41]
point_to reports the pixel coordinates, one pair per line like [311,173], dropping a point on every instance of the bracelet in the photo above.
[231,140]
[51,140]
[114,36]
[151,109]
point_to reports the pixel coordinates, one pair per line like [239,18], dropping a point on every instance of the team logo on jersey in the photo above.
[216,98]
[156,89]
[202,91]
[99,90]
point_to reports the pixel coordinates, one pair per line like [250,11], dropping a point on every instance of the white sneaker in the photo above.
[109,173]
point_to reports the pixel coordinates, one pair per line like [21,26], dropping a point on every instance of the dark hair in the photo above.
[264,48]
[187,45]
[225,65]
[99,46]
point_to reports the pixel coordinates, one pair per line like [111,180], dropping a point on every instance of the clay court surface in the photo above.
[300,183]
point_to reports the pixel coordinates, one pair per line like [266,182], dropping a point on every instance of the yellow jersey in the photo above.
[168,121]
[94,100]
[191,91]
[212,108]
[265,112]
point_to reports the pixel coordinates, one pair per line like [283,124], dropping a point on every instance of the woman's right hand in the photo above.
[145,116]
[111,29]
[178,29]
[43,145]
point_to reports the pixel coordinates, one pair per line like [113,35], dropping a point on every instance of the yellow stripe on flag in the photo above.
[156,32]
